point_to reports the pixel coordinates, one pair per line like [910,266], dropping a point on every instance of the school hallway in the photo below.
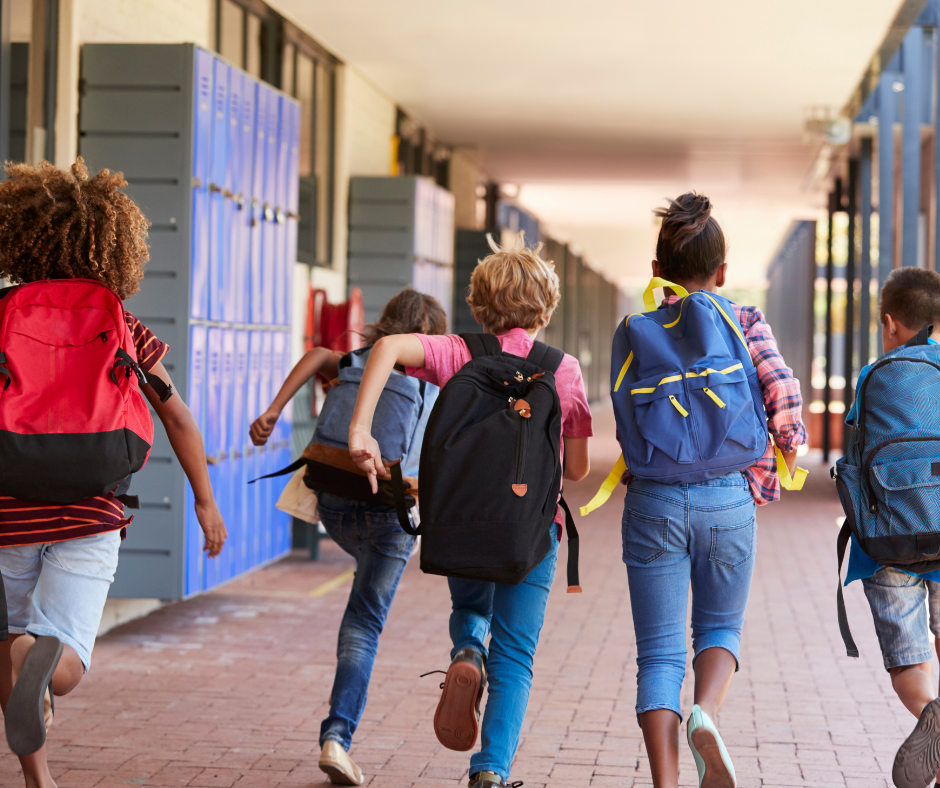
[229,688]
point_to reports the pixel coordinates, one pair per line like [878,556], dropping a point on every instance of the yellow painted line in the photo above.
[329,585]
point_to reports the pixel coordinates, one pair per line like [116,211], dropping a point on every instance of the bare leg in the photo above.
[714,669]
[67,675]
[913,686]
[661,735]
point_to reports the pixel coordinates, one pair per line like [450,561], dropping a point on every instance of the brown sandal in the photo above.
[457,719]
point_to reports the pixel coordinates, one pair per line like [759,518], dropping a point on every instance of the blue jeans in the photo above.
[371,535]
[901,621]
[512,616]
[675,535]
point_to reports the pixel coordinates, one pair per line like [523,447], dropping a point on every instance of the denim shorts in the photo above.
[60,588]
[901,621]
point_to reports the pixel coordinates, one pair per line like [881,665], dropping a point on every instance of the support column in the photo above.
[864,312]
[4,80]
[887,115]
[827,386]
[848,393]
[912,54]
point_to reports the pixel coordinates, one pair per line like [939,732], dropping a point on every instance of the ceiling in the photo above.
[599,107]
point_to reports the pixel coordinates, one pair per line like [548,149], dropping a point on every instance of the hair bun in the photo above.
[685,217]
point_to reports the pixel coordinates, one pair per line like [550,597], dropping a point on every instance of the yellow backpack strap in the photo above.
[650,302]
[609,485]
[794,483]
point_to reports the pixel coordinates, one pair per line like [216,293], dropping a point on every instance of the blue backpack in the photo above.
[889,480]
[400,416]
[686,396]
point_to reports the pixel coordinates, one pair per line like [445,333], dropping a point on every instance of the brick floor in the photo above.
[229,689]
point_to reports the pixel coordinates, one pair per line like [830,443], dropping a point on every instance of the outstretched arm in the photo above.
[319,359]
[577,460]
[403,349]
[183,432]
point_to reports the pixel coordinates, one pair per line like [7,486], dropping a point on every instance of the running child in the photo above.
[364,526]
[690,406]
[513,293]
[58,560]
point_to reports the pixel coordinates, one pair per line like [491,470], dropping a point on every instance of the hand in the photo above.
[364,450]
[210,520]
[262,427]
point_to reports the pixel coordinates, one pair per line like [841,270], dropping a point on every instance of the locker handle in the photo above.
[210,460]
[214,187]
[197,183]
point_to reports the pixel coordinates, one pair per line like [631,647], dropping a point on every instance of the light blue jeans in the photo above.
[512,617]
[680,535]
[901,621]
[370,534]
[60,588]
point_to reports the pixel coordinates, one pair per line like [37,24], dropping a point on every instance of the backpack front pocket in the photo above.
[721,406]
[661,407]
[908,496]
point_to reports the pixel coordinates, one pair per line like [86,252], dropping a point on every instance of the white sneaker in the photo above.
[335,761]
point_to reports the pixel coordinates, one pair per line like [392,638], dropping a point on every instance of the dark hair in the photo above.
[691,245]
[67,224]
[912,297]
[409,312]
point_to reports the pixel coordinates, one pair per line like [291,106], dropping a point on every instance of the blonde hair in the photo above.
[513,287]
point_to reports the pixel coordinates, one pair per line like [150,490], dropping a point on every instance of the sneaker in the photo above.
[457,719]
[711,757]
[490,780]
[335,761]
[918,759]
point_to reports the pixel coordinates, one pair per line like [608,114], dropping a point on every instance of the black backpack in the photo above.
[490,468]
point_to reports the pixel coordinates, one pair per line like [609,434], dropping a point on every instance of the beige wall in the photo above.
[465,175]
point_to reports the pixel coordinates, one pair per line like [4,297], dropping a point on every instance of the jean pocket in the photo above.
[644,536]
[733,545]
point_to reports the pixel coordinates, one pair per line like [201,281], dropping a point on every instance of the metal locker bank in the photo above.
[211,156]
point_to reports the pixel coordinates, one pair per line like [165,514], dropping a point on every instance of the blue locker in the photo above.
[217,199]
[229,269]
[257,202]
[281,432]
[269,457]
[212,433]
[196,401]
[255,467]
[230,513]
[246,157]
[284,265]
[287,419]
[293,160]
[202,133]
[269,262]
[239,454]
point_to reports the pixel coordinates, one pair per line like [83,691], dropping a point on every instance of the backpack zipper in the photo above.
[872,503]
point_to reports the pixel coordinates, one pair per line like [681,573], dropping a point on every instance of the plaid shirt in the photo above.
[782,399]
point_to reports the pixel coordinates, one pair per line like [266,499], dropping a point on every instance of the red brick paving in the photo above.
[229,689]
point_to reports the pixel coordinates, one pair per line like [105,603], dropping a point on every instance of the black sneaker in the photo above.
[490,780]
[918,759]
[457,719]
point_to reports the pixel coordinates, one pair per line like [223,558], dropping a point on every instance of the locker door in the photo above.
[257,202]
[246,158]
[269,455]
[239,456]
[283,265]
[231,275]
[226,473]
[212,433]
[269,262]
[278,441]
[254,464]
[196,401]
[202,134]
[217,156]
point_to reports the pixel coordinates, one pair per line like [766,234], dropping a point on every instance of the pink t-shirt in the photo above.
[445,354]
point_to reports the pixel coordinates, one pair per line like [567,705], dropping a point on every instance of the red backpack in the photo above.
[73,422]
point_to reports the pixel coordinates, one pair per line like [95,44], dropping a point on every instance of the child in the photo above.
[58,560]
[368,531]
[701,533]
[910,301]
[512,295]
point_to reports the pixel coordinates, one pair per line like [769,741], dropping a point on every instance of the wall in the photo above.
[465,175]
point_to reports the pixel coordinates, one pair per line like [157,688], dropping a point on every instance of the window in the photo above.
[308,74]
[420,154]
[254,37]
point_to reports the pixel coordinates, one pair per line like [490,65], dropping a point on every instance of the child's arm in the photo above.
[577,460]
[403,349]
[183,432]
[320,359]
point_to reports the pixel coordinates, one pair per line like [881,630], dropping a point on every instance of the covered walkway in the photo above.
[229,688]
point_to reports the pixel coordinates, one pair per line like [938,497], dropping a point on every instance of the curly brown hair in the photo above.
[409,312]
[58,224]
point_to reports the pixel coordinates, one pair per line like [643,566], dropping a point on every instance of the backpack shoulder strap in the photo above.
[481,344]
[922,337]
[545,356]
